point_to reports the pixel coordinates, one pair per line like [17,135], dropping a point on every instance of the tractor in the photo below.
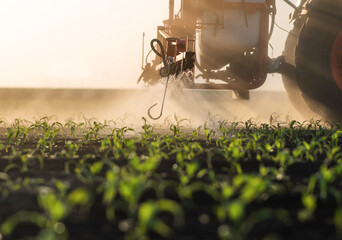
[227,43]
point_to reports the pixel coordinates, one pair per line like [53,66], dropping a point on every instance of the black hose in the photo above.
[162,51]
[167,65]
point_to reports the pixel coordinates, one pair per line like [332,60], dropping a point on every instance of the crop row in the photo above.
[235,181]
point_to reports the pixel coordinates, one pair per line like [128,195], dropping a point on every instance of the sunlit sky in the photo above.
[87,43]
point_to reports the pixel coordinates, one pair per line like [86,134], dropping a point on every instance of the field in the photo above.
[231,180]
[129,105]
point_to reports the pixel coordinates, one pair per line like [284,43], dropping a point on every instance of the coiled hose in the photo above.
[167,65]
[161,54]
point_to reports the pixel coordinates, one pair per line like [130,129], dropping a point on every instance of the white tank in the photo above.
[216,45]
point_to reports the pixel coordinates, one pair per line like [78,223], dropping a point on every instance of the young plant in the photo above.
[148,218]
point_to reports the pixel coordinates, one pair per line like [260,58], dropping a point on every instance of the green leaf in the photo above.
[96,168]
[174,208]
[184,179]
[236,211]
[61,186]
[238,181]
[127,188]
[326,173]
[263,171]
[162,229]
[202,173]
[11,166]
[110,176]
[22,217]
[253,189]
[312,184]
[146,214]
[58,210]
[79,196]
[191,169]
[109,195]
[309,202]
[227,192]
[221,213]
[54,207]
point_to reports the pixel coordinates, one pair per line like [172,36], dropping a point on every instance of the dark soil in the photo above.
[200,220]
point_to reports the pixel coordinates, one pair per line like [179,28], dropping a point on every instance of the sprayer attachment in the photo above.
[164,72]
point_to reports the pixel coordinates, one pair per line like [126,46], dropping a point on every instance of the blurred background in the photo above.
[89,43]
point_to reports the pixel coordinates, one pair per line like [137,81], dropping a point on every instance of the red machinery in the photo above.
[227,42]
[247,67]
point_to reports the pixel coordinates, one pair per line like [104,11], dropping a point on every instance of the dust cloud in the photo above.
[127,107]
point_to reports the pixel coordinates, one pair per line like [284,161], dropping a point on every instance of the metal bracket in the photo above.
[275,63]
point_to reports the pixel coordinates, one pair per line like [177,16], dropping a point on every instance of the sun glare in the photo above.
[75,43]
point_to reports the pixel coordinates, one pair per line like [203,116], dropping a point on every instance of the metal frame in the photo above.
[260,78]
[186,27]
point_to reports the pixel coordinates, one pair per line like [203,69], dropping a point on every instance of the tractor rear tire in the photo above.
[289,72]
[313,47]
